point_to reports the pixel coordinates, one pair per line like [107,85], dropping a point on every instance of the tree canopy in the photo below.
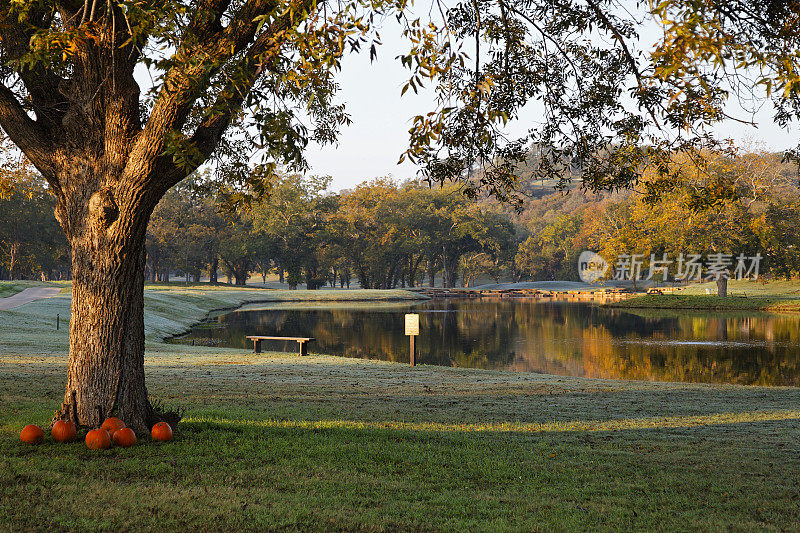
[609,105]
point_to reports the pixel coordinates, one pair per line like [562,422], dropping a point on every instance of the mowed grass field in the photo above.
[278,442]
[778,296]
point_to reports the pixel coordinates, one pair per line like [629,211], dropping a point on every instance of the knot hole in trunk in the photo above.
[103,209]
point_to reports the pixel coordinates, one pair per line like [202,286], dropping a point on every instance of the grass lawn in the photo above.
[742,295]
[10,288]
[278,442]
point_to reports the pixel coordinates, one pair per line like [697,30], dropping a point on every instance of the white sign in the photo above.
[412,324]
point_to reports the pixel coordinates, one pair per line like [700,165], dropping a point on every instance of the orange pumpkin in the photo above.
[98,439]
[112,425]
[161,431]
[124,437]
[32,434]
[63,431]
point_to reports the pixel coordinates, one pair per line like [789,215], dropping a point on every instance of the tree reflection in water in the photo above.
[554,337]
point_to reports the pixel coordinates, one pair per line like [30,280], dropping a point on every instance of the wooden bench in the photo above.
[258,338]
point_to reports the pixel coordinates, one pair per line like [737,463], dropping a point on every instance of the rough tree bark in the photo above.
[106,354]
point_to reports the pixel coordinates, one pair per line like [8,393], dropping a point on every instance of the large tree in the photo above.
[71,101]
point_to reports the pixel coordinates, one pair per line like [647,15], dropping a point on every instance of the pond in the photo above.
[553,337]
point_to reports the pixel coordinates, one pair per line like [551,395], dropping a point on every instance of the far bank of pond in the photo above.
[534,335]
[743,295]
[755,295]
[710,302]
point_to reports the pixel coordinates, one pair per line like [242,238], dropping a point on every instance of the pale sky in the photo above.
[371,146]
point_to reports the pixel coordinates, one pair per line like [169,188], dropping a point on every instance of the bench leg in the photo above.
[303,348]
[256,346]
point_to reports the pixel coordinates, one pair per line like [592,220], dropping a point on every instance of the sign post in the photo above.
[412,330]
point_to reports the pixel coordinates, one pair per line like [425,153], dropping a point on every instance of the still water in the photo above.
[553,337]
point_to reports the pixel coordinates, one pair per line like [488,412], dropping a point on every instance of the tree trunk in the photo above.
[413,270]
[212,270]
[363,278]
[106,352]
[722,287]
[445,272]
[14,250]
[451,274]
[240,275]
[391,278]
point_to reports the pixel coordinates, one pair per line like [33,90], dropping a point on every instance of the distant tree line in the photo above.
[32,245]
[382,234]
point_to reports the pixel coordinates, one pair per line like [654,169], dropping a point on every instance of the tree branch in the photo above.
[28,135]
[179,92]
[196,62]
[41,82]
[207,19]
[208,134]
[624,47]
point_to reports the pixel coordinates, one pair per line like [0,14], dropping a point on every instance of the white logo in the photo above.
[591,267]
[689,267]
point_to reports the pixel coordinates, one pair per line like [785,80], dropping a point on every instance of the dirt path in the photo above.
[27,296]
